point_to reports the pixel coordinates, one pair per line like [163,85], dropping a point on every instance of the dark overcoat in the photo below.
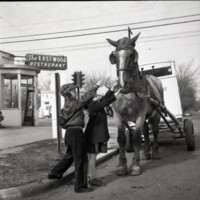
[97,128]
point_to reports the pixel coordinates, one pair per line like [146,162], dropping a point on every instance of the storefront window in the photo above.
[26,80]
[10,90]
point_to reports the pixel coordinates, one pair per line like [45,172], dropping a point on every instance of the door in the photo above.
[29,109]
[27,97]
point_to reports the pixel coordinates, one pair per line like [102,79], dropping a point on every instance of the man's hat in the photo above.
[66,88]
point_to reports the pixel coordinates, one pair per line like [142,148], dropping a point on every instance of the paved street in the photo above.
[173,177]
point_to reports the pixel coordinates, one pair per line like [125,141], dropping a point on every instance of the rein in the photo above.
[132,89]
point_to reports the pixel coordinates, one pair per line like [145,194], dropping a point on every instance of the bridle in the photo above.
[133,73]
[130,68]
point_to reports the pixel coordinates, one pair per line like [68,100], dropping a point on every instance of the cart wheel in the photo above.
[129,145]
[189,135]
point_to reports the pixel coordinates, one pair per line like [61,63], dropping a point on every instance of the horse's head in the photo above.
[125,57]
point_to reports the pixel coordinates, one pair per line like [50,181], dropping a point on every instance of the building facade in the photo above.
[18,92]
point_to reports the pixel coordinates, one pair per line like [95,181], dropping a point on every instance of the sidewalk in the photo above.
[12,139]
[14,136]
[38,187]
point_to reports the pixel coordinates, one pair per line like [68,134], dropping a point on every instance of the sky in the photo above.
[170,30]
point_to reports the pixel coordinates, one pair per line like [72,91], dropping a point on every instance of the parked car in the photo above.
[1,117]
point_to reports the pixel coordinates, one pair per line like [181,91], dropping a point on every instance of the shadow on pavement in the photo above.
[172,152]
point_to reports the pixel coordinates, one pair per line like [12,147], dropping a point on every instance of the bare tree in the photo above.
[44,80]
[91,79]
[187,76]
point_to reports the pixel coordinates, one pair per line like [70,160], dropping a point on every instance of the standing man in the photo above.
[72,119]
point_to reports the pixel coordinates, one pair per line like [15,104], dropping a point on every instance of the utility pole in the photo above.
[58,106]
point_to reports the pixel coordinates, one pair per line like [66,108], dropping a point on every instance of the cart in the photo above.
[181,128]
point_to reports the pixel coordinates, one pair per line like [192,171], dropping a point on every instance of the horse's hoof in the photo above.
[155,153]
[135,171]
[122,171]
[146,156]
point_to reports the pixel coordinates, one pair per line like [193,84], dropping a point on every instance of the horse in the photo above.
[132,105]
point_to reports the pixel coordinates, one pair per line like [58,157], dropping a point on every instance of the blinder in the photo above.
[112,58]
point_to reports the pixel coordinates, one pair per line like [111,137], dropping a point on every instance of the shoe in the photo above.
[96,182]
[54,176]
[83,190]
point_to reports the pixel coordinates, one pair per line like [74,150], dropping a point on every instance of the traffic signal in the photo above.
[75,78]
[82,79]
[78,79]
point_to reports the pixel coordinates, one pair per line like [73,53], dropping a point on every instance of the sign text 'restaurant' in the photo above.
[47,62]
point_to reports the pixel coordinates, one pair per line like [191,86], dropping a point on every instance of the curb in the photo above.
[37,187]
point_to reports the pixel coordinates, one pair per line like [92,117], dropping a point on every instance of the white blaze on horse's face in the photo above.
[123,57]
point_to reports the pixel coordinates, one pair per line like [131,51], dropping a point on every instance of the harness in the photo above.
[137,89]
[137,84]
[134,86]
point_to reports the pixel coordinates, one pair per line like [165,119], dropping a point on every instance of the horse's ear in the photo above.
[136,57]
[112,42]
[133,40]
[112,58]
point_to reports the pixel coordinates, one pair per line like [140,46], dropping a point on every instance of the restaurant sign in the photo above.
[46,62]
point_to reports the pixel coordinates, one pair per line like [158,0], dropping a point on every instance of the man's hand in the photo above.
[117,92]
[115,87]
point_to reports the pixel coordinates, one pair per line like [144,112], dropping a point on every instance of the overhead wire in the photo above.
[149,38]
[6,20]
[75,19]
[118,13]
[102,32]
[102,44]
[102,27]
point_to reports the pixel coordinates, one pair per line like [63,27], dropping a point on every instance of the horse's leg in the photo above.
[146,151]
[155,129]
[135,166]
[121,138]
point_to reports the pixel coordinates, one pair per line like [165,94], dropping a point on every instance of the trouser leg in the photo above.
[65,162]
[77,142]
[85,166]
